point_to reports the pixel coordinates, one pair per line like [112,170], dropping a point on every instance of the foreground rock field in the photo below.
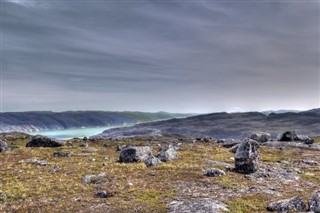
[175,175]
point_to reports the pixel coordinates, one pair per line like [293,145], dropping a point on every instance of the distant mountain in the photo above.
[278,111]
[38,121]
[224,125]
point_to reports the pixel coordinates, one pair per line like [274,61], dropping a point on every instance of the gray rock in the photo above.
[87,179]
[230,143]
[288,136]
[200,205]
[213,172]
[102,194]
[35,161]
[282,144]
[135,154]
[43,141]
[152,161]
[247,157]
[3,146]
[167,153]
[62,154]
[305,139]
[287,205]
[260,136]
[314,202]
[234,148]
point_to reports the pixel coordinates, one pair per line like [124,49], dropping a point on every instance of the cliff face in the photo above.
[38,121]
[224,125]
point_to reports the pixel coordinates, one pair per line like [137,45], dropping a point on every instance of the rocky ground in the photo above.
[199,174]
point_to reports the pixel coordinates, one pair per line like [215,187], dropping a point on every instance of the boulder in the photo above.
[260,136]
[199,205]
[305,139]
[288,136]
[167,153]
[35,162]
[152,161]
[314,202]
[3,146]
[213,172]
[43,141]
[288,205]
[135,154]
[247,157]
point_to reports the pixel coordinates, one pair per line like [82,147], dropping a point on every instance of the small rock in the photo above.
[43,141]
[287,205]
[61,154]
[3,146]
[200,205]
[55,168]
[152,161]
[167,153]
[35,161]
[230,143]
[310,162]
[84,145]
[94,178]
[247,157]
[260,136]
[102,194]
[214,172]
[314,202]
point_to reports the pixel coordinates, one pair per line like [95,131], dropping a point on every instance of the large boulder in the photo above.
[43,141]
[260,136]
[199,205]
[247,157]
[288,205]
[314,202]
[167,153]
[135,154]
[288,136]
[3,146]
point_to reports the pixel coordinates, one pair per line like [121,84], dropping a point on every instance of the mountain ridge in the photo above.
[224,125]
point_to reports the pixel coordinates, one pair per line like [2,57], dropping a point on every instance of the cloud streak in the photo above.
[199,56]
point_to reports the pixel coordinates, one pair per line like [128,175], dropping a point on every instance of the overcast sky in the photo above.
[160,55]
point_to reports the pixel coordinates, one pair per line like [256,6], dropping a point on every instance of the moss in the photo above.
[248,204]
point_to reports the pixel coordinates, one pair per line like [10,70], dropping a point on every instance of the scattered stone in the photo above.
[3,146]
[314,202]
[310,162]
[55,168]
[200,205]
[306,139]
[152,161]
[213,172]
[62,154]
[102,194]
[94,178]
[247,157]
[167,153]
[230,143]
[287,205]
[261,137]
[282,144]
[85,138]
[43,141]
[288,136]
[135,154]
[35,161]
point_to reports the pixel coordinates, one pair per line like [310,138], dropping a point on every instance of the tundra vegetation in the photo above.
[78,178]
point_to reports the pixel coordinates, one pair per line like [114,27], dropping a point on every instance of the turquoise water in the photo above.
[73,133]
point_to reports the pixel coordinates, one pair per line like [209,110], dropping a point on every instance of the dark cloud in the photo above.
[198,56]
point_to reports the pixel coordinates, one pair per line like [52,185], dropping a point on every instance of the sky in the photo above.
[195,56]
